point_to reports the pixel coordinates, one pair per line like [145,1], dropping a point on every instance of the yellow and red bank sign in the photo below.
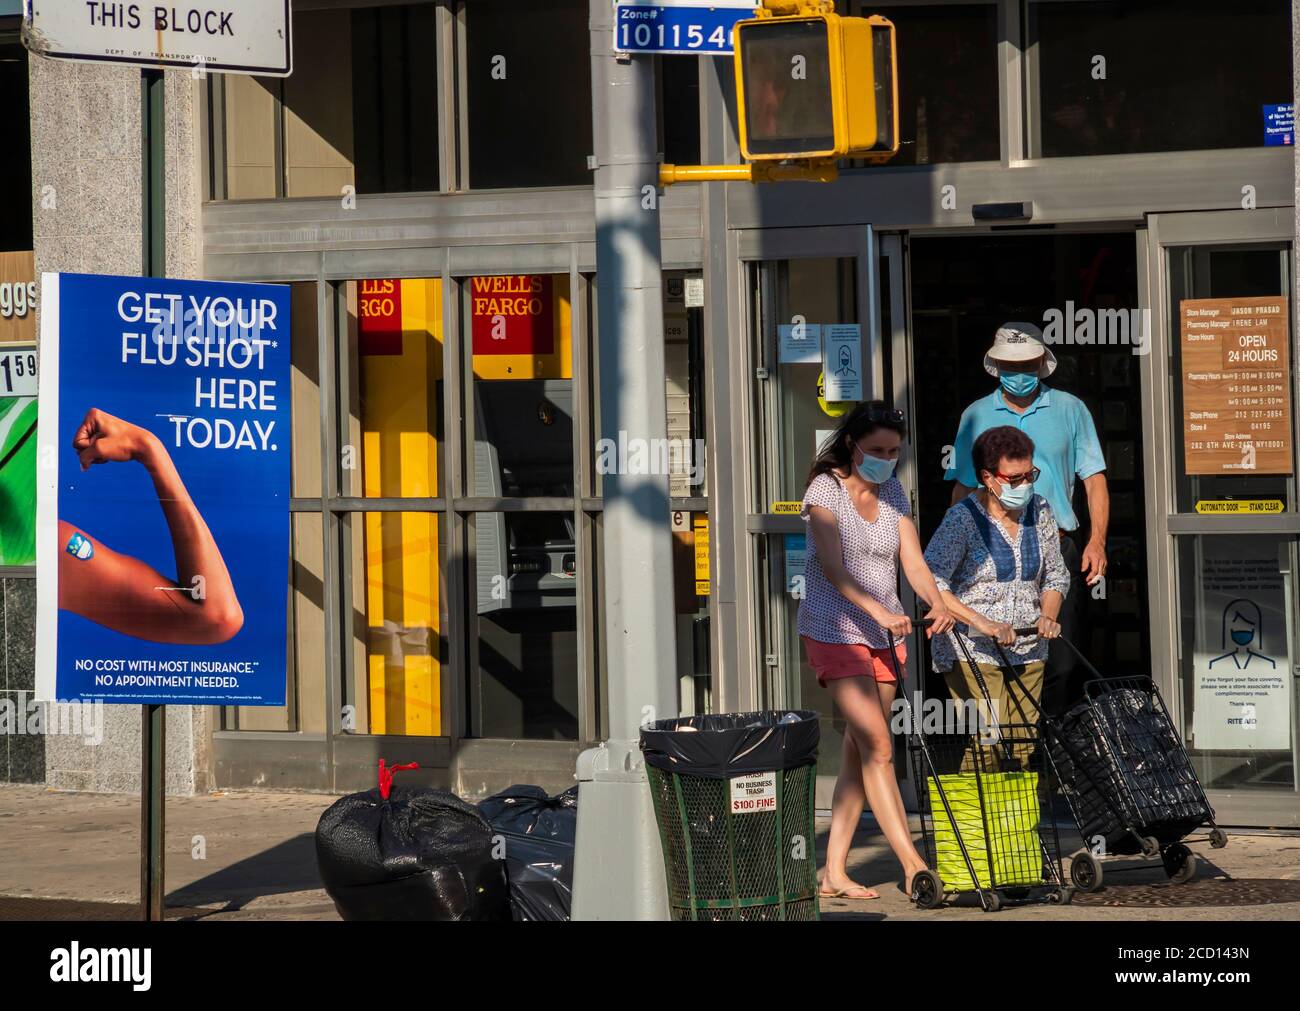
[519,323]
[513,314]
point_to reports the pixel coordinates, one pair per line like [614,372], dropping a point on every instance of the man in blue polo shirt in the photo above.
[1065,447]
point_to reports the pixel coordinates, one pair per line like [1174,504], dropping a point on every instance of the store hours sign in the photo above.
[227,36]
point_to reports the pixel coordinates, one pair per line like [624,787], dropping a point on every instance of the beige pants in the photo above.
[1015,708]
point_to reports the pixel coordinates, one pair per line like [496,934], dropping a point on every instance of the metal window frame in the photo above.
[338,759]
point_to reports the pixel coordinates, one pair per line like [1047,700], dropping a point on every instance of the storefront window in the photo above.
[1233,381]
[392,450]
[304,709]
[1126,77]
[397,624]
[360,109]
[522,353]
[304,382]
[1237,613]
[16,167]
[692,596]
[812,301]
[523,626]
[528,81]
[947,81]
[394,345]
[524,667]
[679,109]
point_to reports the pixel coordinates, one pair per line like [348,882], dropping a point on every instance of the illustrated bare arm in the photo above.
[198,605]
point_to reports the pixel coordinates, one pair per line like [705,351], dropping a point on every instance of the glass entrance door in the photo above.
[814,320]
[1224,551]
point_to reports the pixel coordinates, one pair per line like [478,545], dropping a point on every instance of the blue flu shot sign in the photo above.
[162,523]
[672,27]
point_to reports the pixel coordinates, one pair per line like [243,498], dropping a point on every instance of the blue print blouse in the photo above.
[973,558]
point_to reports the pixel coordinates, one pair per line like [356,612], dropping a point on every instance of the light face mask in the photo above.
[1018,384]
[876,470]
[1016,498]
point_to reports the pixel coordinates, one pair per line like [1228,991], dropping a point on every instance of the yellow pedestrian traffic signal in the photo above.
[816,85]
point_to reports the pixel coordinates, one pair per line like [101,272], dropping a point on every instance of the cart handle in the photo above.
[893,652]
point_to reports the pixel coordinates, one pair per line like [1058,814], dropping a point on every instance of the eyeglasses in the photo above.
[885,414]
[1019,479]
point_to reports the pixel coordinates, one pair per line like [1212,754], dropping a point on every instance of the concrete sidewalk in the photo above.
[250,856]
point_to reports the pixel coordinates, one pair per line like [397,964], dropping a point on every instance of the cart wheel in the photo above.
[1186,872]
[1218,838]
[1150,846]
[1055,898]
[1180,863]
[1067,896]
[992,902]
[1085,872]
[927,889]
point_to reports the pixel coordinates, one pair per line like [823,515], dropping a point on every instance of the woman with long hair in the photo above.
[861,530]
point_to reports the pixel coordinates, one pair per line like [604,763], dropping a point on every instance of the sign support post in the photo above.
[618,871]
[153,725]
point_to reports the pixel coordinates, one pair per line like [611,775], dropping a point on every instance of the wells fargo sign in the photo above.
[379,317]
[513,314]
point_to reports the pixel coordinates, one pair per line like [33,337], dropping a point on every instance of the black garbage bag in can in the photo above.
[409,853]
[538,833]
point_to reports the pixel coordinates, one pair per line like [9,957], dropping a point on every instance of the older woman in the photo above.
[997,560]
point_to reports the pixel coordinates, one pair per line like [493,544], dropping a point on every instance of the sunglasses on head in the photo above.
[885,414]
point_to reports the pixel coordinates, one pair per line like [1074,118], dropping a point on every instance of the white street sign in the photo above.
[224,36]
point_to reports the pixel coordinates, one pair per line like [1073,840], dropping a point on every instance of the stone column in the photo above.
[86,210]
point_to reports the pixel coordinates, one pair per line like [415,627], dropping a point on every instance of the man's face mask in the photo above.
[1018,384]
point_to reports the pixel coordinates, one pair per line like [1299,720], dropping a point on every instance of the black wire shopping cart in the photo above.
[1127,777]
[980,783]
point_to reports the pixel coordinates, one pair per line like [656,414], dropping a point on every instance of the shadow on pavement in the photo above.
[287,867]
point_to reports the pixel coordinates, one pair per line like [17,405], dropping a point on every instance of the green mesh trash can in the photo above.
[733,797]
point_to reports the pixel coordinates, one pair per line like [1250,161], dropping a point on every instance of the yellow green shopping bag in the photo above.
[1009,813]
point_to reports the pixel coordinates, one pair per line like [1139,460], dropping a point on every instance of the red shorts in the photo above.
[833,660]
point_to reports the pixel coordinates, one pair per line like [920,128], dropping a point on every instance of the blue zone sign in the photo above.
[678,28]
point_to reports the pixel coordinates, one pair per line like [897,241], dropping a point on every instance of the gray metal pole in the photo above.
[153,726]
[618,864]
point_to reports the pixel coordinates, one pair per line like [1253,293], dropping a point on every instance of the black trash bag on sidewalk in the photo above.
[539,833]
[409,853]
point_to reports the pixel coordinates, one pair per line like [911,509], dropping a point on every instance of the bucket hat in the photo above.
[1019,342]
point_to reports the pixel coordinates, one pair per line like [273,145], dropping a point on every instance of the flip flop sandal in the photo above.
[843,893]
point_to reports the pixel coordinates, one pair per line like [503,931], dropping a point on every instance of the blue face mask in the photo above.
[876,470]
[1242,636]
[1016,498]
[1018,384]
